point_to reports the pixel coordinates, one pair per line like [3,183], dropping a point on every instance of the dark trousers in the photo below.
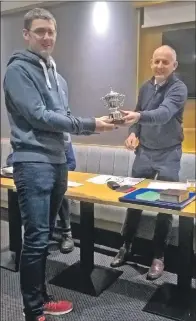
[40,188]
[166,163]
[64,215]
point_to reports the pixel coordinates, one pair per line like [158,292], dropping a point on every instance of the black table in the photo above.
[84,276]
[178,302]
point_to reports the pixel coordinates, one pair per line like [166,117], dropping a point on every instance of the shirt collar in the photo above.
[160,84]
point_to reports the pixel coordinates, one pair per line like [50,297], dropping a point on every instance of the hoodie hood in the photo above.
[37,60]
[39,117]
[26,55]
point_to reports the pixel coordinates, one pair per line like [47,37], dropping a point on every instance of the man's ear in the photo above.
[25,34]
[175,65]
[151,63]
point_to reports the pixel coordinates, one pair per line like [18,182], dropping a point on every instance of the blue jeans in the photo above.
[40,188]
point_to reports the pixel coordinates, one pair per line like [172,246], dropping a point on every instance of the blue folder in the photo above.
[131,198]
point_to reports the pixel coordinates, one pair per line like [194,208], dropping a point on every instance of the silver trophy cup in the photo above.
[114,101]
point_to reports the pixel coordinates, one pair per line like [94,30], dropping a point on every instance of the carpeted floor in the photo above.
[123,301]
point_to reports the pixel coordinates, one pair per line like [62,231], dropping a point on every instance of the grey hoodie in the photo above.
[160,124]
[36,98]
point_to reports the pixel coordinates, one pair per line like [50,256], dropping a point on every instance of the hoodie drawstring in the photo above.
[52,62]
[45,73]
[55,72]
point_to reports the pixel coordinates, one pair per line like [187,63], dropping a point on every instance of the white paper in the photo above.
[7,170]
[191,183]
[73,184]
[167,185]
[100,179]
[103,179]
[132,181]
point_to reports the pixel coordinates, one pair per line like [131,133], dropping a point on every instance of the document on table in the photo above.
[103,179]
[6,170]
[73,184]
[167,185]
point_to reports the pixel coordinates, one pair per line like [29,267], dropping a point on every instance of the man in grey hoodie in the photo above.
[157,124]
[39,116]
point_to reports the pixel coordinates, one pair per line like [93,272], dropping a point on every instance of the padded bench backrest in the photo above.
[6,149]
[188,169]
[103,160]
[119,161]
[108,160]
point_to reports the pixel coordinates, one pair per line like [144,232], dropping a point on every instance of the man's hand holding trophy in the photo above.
[103,124]
[115,101]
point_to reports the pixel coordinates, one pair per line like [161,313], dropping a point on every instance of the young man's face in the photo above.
[41,36]
[163,64]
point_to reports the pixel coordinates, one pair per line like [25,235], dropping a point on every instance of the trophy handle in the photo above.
[121,100]
[104,101]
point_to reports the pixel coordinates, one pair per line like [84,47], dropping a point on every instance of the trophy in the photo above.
[114,101]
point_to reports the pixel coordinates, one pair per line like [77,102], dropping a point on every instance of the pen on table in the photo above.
[155,178]
[108,179]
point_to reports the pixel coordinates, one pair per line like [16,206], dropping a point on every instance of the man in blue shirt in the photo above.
[157,123]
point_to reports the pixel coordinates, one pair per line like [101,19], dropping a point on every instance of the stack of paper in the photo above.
[7,170]
[100,179]
[73,184]
[103,179]
[167,185]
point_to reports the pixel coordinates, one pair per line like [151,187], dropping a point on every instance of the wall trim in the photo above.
[142,4]
[169,14]
[138,50]
[10,7]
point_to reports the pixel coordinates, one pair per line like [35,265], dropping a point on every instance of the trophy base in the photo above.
[118,121]
[117,118]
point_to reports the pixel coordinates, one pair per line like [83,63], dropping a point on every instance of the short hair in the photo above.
[37,13]
[172,50]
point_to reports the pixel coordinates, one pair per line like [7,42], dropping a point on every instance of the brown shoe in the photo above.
[156,269]
[121,256]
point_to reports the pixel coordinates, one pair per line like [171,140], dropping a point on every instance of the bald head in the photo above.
[166,50]
[163,63]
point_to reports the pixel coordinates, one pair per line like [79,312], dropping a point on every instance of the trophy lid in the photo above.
[112,93]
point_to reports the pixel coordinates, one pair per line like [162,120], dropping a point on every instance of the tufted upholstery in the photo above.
[119,161]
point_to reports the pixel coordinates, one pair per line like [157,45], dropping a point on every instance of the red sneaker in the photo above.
[36,318]
[58,307]
[41,318]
